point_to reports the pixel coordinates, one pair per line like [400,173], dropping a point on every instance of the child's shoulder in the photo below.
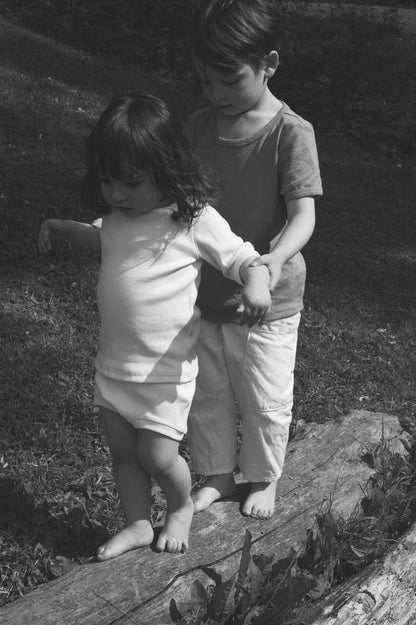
[207,216]
[290,118]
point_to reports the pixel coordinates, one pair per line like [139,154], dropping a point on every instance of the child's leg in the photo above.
[212,430]
[159,455]
[262,378]
[133,485]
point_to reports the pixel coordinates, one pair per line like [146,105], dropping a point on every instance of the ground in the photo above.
[355,81]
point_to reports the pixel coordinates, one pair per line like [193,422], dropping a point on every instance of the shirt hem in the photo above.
[146,378]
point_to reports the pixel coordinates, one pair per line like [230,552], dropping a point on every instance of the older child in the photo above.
[265,160]
[156,229]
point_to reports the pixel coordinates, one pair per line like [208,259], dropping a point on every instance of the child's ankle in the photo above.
[215,487]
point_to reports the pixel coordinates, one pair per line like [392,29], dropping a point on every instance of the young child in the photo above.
[265,161]
[156,228]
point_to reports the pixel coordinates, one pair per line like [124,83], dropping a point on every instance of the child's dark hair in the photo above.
[229,32]
[138,133]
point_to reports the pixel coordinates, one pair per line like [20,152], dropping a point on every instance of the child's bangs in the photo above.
[118,156]
[217,54]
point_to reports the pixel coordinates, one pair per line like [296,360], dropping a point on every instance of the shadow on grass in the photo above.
[43,58]
[71,535]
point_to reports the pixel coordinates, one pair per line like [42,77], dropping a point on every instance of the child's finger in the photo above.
[251,317]
[245,314]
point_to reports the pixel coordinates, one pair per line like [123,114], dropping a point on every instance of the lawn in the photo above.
[355,81]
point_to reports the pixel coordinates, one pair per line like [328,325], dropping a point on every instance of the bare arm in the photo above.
[299,228]
[255,299]
[75,232]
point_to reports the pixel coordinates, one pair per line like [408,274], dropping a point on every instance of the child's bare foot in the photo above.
[174,536]
[215,487]
[260,501]
[137,534]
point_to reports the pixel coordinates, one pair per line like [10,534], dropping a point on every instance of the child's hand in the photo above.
[255,303]
[47,233]
[274,266]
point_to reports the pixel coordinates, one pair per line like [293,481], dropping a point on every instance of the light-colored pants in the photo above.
[253,367]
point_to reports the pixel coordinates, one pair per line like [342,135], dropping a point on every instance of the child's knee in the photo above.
[157,453]
[157,465]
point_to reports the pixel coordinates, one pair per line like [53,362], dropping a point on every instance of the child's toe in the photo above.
[161,544]
[171,546]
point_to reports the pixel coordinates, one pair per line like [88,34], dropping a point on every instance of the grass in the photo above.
[394,4]
[354,80]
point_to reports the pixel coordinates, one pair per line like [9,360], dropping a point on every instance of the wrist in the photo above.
[258,274]
[277,258]
[266,265]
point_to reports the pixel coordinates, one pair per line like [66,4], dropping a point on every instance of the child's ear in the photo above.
[270,63]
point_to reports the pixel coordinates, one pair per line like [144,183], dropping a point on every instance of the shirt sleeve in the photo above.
[219,246]
[298,164]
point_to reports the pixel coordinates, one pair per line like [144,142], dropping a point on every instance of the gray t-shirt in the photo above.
[256,176]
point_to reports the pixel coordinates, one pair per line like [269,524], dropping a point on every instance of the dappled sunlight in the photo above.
[357,335]
[61,99]
[404,255]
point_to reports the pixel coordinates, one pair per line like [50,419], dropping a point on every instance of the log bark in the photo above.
[384,593]
[325,460]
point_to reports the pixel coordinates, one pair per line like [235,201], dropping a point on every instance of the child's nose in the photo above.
[117,193]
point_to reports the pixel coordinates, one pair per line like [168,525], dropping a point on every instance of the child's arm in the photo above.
[297,232]
[255,299]
[75,232]
[228,253]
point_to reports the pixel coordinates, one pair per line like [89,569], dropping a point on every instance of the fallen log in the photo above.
[323,461]
[383,593]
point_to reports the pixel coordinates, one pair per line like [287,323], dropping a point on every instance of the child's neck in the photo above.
[251,121]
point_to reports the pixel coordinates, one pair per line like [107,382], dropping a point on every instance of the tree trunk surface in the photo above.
[323,462]
[382,594]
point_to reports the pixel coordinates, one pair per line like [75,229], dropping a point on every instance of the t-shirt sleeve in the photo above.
[298,164]
[219,246]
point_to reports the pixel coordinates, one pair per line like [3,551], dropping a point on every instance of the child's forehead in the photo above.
[205,70]
[119,169]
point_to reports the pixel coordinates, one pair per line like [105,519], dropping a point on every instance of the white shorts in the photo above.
[160,407]
[251,368]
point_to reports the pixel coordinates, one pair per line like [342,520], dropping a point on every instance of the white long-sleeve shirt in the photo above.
[147,289]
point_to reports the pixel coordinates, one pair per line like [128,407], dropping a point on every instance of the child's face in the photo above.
[233,93]
[133,197]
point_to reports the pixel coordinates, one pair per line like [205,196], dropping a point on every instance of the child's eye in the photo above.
[232,82]
[135,182]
